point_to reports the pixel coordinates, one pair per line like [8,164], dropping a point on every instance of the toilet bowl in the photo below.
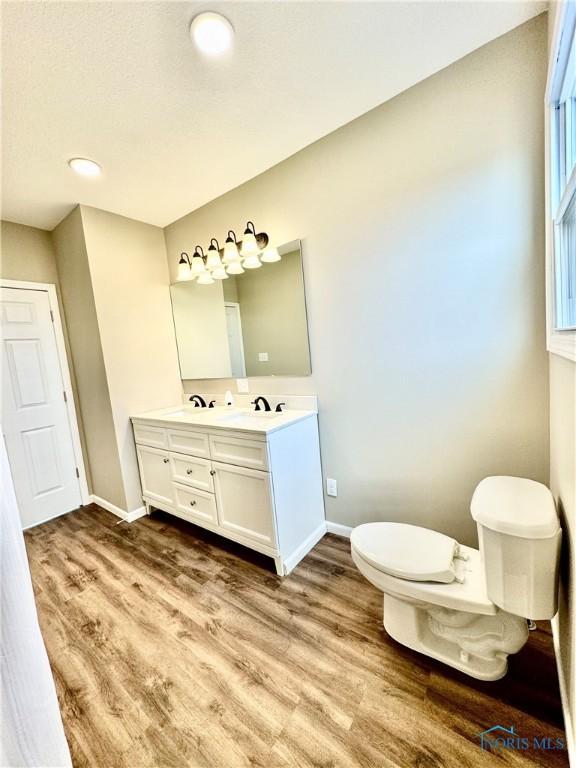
[468,607]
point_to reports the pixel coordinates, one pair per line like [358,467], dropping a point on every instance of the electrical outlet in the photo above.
[331,486]
[262,357]
[242,385]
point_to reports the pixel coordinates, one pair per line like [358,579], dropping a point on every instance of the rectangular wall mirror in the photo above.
[253,324]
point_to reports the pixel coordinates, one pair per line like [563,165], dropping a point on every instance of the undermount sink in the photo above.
[193,410]
[237,415]
[220,413]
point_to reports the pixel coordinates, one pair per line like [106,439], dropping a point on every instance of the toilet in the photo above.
[467,607]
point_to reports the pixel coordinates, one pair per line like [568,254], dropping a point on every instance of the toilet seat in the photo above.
[408,551]
[469,596]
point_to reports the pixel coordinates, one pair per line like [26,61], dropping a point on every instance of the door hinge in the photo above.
[65,397]
[77,473]
[51,315]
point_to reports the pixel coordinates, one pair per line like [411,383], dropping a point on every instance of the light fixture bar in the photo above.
[234,258]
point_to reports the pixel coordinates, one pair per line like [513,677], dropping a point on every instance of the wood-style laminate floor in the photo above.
[172,647]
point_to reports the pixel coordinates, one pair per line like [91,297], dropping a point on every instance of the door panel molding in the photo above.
[50,290]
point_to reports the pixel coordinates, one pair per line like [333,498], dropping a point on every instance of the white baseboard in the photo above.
[128,517]
[339,530]
[290,562]
[568,723]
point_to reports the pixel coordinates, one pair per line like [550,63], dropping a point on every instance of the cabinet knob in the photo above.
[189,471]
[192,503]
[212,471]
[166,461]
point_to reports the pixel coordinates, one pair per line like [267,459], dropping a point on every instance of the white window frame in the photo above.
[560,191]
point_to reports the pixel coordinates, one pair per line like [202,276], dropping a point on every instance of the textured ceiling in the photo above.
[120,82]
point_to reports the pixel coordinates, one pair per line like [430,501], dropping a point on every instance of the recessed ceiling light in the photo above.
[212,33]
[85,167]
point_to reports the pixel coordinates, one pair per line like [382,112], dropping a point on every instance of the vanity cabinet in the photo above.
[263,490]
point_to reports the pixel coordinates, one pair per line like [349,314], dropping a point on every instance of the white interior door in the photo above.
[235,341]
[34,414]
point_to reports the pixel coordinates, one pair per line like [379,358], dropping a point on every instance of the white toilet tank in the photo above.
[520,537]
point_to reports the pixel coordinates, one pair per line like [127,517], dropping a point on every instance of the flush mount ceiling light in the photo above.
[212,33]
[84,167]
[233,259]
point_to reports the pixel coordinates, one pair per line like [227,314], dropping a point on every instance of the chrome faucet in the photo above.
[198,401]
[256,404]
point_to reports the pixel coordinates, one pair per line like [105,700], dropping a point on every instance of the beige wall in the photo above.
[86,354]
[563,484]
[230,287]
[273,313]
[27,254]
[428,356]
[127,261]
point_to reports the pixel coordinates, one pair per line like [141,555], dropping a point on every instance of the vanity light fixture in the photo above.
[212,33]
[205,279]
[270,255]
[249,244]
[198,259]
[235,268]
[213,260]
[184,267]
[84,167]
[252,261]
[231,252]
[233,259]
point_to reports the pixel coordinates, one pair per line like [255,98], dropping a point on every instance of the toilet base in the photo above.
[477,644]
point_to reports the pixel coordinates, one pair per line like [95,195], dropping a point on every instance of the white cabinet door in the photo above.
[34,415]
[244,501]
[155,474]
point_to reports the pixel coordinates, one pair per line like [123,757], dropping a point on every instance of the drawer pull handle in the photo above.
[166,461]
[189,471]
[192,503]
[212,471]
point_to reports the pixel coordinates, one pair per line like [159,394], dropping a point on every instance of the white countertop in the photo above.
[225,417]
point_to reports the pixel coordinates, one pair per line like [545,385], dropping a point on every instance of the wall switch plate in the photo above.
[242,385]
[331,486]
[263,357]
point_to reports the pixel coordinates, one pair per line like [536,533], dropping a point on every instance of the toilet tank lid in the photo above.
[515,506]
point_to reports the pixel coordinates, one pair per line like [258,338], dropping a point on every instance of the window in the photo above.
[562,100]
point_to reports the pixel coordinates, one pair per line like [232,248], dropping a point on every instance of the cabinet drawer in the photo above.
[243,453]
[152,436]
[192,471]
[187,441]
[195,505]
